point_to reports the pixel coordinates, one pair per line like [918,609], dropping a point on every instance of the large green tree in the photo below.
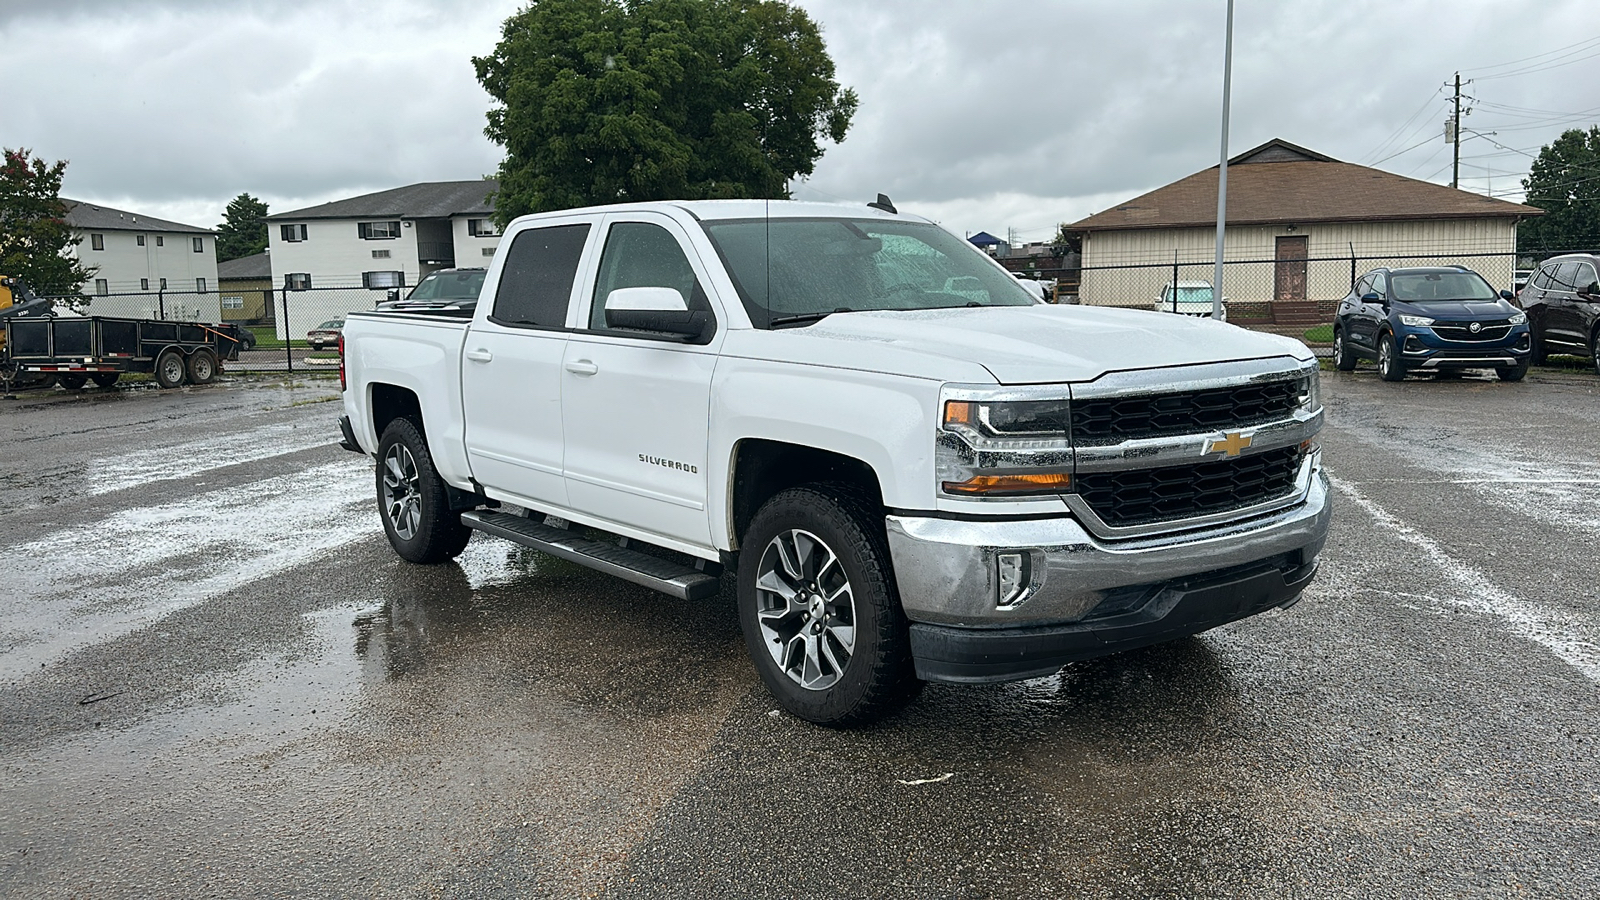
[34,235]
[604,101]
[1564,182]
[243,230]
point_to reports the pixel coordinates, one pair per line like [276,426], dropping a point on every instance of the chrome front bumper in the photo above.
[947,570]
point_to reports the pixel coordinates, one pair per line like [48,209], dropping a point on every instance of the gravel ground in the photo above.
[217,680]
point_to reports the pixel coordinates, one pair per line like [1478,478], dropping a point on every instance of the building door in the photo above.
[1289,277]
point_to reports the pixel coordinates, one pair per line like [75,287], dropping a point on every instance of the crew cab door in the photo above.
[511,375]
[636,405]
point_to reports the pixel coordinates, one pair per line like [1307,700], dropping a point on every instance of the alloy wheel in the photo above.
[806,609]
[401,500]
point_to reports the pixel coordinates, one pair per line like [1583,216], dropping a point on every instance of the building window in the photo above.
[293,233]
[200,284]
[139,239]
[163,281]
[144,284]
[199,245]
[100,286]
[380,254]
[97,241]
[233,303]
[383,280]
[297,281]
[482,228]
[378,231]
[161,241]
[488,251]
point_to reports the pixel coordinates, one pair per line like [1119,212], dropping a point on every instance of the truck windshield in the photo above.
[449,286]
[796,270]
[1425,288]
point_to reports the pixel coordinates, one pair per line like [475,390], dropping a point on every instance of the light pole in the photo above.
[1222,171]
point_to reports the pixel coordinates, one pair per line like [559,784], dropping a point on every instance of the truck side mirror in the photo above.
[659,309]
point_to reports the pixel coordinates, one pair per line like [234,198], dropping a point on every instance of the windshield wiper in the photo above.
[804,318]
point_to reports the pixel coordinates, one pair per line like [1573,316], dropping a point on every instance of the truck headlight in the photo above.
[998,442]
[1310,396]
[1416,321]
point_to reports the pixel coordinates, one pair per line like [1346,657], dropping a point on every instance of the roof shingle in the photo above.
[1279,183]
[99,217]
[428,200]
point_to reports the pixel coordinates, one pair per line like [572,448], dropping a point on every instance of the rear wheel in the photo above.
[202,366]
[105,379]
[1343,359]
[819,611]
[412,500]
[170,369]
[1390,367]
[72,381]
[1594,350]
[1537,352]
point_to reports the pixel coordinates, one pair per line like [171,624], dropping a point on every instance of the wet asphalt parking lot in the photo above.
[217,680]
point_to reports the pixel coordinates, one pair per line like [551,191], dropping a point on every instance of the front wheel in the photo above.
[1390,368]
[72,381]
[170,369]
[1538,353]
[819,611]
[1343,359]
[1512,373]
[412,500]
[1594,350]
[105,379]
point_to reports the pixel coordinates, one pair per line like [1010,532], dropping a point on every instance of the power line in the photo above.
[1579,46]
[1395,136]
[1541,68]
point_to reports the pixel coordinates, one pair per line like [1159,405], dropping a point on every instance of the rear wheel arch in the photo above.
[390,402]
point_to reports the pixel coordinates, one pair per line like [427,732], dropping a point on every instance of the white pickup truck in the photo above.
[914,470]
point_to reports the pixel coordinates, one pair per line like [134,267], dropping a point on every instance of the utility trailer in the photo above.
[77,350]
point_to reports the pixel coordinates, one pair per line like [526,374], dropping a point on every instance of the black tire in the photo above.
[202,366]
[412,500]
[72,381]
[1594,350]
[1512,373]
[878,676]
[1390,366]
[105,379]
[1343,358]
[170,369]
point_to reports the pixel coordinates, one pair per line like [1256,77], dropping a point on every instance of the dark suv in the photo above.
[1430,319]
[1562,300]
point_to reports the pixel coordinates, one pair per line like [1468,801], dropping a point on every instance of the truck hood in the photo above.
[1044,344]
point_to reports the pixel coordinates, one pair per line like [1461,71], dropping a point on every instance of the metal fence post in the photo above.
[1174,280]
[161,304]
[1352,263]
[288,352]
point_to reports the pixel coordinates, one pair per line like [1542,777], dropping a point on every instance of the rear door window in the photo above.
[536,282]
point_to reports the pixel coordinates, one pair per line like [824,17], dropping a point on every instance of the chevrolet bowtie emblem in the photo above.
[1230,443]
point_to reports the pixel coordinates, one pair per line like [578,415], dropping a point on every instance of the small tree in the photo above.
[34,235]
[243,231]
[1564,181]
[603,101]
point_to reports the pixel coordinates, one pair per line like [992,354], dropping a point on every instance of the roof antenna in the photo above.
[883,202]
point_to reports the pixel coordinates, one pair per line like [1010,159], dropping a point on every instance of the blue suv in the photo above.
[1436,319]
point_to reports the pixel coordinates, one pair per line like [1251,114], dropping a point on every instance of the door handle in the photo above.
[582,367]
[479,355]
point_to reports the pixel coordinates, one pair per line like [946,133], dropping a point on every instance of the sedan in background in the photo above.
[325,335]
[1436,319]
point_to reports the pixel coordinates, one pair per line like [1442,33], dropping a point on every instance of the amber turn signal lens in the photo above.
[1003,484]
[959,412]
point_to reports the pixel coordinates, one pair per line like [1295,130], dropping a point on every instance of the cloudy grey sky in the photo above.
[989,116]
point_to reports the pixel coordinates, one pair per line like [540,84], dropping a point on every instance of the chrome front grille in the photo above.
[1145,496]
[1112,420]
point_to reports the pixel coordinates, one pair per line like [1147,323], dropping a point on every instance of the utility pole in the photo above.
[1222,174]
[1455,129]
